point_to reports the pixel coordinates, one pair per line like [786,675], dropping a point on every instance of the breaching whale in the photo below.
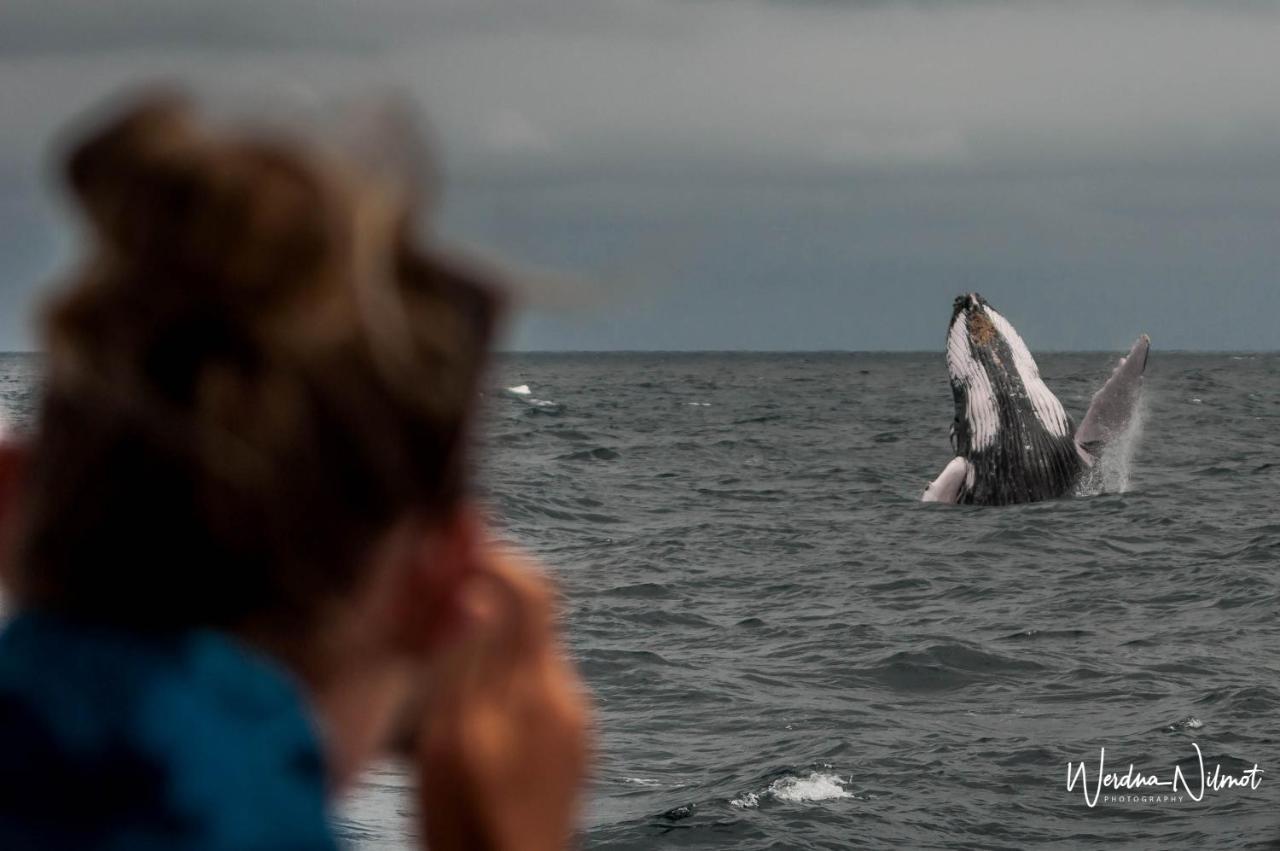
[1013,440]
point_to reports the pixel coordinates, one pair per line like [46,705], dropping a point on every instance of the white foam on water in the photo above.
[817,786]
[641,781]
[525,394]
[1191,722]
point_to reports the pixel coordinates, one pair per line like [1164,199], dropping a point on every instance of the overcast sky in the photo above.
[744,174]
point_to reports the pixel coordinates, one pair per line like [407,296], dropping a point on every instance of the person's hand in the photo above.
[503,748]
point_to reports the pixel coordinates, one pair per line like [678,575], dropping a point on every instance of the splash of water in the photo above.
[1112,471]
[791,789]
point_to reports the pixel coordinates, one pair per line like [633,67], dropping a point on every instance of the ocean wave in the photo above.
[644,590]
[1047,634]
[1258,701]
[946,666]
[641,781]
[632,662]
[599,453]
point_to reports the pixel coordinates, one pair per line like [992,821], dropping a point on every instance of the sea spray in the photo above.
[1111,473]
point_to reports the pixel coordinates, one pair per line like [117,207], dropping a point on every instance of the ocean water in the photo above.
[788,650]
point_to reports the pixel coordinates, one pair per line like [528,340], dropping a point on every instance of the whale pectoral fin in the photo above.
[1113,406]
[950,483]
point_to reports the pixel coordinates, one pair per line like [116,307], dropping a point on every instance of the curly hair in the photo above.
[252,375]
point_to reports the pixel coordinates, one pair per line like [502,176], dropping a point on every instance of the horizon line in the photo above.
[855,351]
[505,352]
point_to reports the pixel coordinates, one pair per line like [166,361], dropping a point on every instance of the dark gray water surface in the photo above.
[786,645]
[788,650]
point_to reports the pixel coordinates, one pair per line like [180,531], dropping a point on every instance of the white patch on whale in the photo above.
[955,478]
[1046,405]
[980,399]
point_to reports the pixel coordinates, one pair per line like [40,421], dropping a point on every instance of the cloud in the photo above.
[764,88]
[36,27]
[644,85]
[802,159]
[509,131]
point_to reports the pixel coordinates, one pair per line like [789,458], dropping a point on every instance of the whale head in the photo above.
[1008,424]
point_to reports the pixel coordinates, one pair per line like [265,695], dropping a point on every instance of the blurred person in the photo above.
[239,549]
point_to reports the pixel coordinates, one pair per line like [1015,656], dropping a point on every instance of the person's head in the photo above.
[252,381]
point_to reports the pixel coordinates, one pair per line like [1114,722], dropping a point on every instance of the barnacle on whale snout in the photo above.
[981,331]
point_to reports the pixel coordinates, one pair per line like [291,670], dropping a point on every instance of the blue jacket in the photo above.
[115,740]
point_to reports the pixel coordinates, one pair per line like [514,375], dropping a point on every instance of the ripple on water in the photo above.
[947,666]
